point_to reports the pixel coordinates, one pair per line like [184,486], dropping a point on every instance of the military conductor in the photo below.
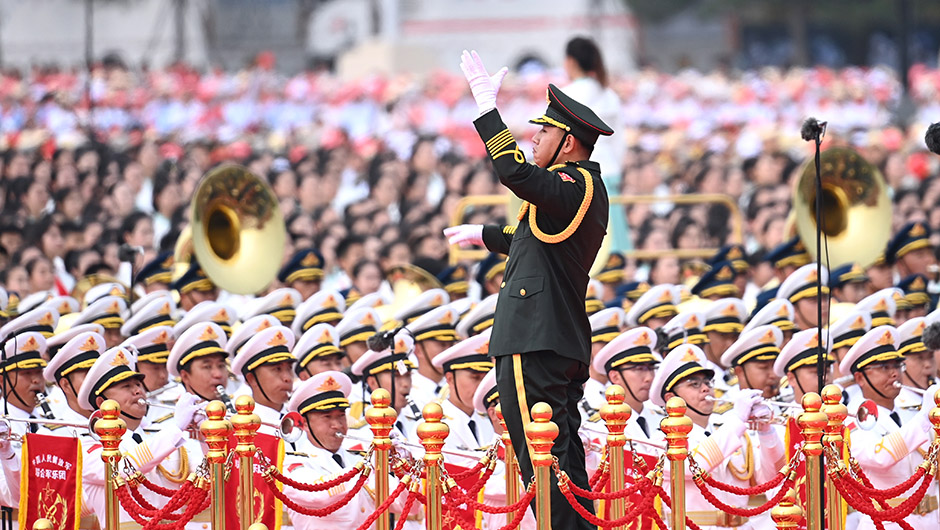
[541,334]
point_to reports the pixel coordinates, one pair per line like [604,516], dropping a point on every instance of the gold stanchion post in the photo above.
[216,430]
[934,415]
[787,514]
[110,429]
[615,415]
[812,422]
[677,427]
[381,418]
[541,432]
[512,466]
[433,432]
[42,524]
[245,423]
[836,413]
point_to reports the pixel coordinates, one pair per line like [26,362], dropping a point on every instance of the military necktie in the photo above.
[646,429]
[473,429]
[896,417]
[137,438]
[338,459]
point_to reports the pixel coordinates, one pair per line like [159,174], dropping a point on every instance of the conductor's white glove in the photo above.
[465,235]
[745,401]
[185,409]
[483,86]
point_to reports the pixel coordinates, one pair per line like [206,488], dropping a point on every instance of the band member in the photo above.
[605,327]
[208,311]
[198,360]
[752,358]
[194,287]
[778,312]
[464,365]
[266,364]
[910,251]
[280,303]
[107,313]
[55,397]
[478,319]
[390,369]
[434,332]
[248,329]
[355,329]
[156,274]
[920,368]
[67,370]
[849,283]
[303,272]
[655,307]
[724,321]
[152,348]
[806,288]
[324,307]
[845,332]
[318,351]
[717,283]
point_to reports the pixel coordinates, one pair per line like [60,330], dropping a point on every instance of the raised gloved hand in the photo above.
[464,235]
[483,86]
[185,409]
[744,401]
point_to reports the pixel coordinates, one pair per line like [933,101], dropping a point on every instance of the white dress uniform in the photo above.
[437,324]
[269,346]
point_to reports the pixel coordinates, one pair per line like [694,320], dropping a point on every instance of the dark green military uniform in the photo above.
[541,336]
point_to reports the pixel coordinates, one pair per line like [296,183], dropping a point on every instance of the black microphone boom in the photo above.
[812,129]
[932,138]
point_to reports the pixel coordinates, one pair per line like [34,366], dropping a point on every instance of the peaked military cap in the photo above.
[910,336]
[804,282]
[395,357]
[151,346]
[846,331]
[802,350]
[848,273]
[106,311]
[915,290]
[680,363]
[685,328]
[438,324]
[479,318]
[763,298]
[726,315]
[733,253]
[455,279]
[104,289]
[636,346]
[788,253]
[629,293]
[201,340]
[468,354]
[158,312]
[24,352]
[486,393]
[424,302]
[157,270]
[358,325]
[323,392]
[42,320]
[612,272]
[78,353]
[758,344]
[55,343]
[109,369]
[34,300]
[305,264]
[325,306]
[573,117]
[194,279]
[606,324]
[910,237]
[271,346]
[280,303]
[878,345]
[881,306]
[717,281]
[659,302]
[778,312]
[207,311]
[247,329]
[592,297]
[492,265]
[319,341]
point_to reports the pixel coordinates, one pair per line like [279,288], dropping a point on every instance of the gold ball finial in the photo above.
[110,410]
[541,412]
[936,398]
[432,433]
[787,514]
[381,398]
[832,395]
[244,404]
[676,407]
[381,418]
[811,402]
[615,394]
[432,412]
[42,524]
[215,410]
[257,526]
[541,432]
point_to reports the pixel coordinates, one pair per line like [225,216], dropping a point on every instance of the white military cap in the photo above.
[606,324]
[683,361]
[4,303]
[107,311]
[358,325]
[150,297]
[42,320]
[880,344]
[151,346]
[326,305]
[24,352]
[247,329]
[79,353]
[325,391]
[685,328]
[319,341]
[634,346]
[207,311]
[423,303]
[55,342]
[438,324]
[369,301]
[804,283]
[34,300]
[778,312]
[592,297]
[881,306]
[479,318]
[65,305]
[270,346]
[659,302]
[395,357]
[486,392]
[759,344]
[726,315]
[280,303]
[112,367]
[200,340]
[802,350]
[104,289]
[847,330]
[159,312]
[468,354]
[910,336]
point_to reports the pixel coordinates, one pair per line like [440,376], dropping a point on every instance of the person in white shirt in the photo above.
[267,365]
[198,359]
[605,326]
[464,366]
[434,332]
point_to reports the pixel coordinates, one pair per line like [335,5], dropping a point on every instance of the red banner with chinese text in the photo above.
[266,507]
[51,481]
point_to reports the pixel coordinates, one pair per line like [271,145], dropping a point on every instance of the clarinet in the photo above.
[224,398]
[44,404]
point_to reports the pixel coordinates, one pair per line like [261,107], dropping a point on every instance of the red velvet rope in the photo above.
[318,512]
[383,507]
[139,497]
[319,486]
[601,472]
[648,497]
[130,504]
[409,502]
[478,485]
[159,490]
[756,490]
[468,473]
[865,486]
[472,504]
[689,523]
[607,496]
[861,503]
[744,512]
[195,506]
[520,513]
[878,524]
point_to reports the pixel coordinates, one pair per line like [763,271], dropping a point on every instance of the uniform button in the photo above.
[501,285]
[363,510]
[522,292]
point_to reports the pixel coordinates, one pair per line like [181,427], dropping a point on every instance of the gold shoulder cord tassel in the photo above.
[578,217]
[180,476]
[747,473]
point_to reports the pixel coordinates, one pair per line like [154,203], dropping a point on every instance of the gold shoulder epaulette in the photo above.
[53,427]
[294,453]
[724,407]
[162,419]
[509,230]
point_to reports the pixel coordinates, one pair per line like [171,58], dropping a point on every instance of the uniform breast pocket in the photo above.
[525,287]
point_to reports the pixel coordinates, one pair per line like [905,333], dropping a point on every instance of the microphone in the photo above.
[932,138]
[126,252]
[813,129]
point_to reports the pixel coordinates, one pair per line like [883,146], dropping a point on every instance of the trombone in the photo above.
[6,427]
[288,428]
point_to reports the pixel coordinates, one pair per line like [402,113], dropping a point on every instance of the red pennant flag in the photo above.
[50,485]
[267,508]
[644,522]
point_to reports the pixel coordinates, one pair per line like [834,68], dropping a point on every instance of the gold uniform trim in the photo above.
[578,216]
[520,396]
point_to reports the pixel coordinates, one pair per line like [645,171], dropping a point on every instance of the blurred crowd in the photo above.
[369,172]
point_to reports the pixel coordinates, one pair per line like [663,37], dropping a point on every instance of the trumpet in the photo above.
[6,430]
[866,416]
[914,389]
[288,428]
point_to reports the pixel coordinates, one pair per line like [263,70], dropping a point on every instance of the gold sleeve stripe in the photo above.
[897,443]
[575,223]
[498,146]
[510,230]
[501,135]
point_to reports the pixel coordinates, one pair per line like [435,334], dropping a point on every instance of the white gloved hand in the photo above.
[6,448]
[185,409]
[745,401]
[465,235]
[483,86]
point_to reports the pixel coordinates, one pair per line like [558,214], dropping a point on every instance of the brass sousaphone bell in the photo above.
[856,210]
[236,231]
